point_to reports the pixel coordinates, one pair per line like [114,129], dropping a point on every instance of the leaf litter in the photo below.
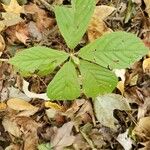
[28,120]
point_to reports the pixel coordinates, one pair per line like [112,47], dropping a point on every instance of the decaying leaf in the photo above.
[63,137]
[105,105]
[97,26]
[20,104]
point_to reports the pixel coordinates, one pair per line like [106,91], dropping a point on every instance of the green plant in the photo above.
[85,71]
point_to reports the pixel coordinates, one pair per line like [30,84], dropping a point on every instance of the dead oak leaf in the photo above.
[97,26]
[63,137]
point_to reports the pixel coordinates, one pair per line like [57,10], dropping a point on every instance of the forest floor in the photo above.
[28,122]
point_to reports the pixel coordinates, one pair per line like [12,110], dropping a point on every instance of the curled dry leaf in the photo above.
[2,44]
[97,27]
[20,104]
[105,105]
[63,137]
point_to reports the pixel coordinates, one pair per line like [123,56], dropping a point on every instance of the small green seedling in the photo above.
[85,71]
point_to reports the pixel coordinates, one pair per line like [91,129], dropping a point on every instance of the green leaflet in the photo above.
[65,85]
[117,50]
[96,79]
[73,22]
[38,58]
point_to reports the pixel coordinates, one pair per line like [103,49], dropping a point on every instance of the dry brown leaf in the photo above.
[18,33]
[97,27]
[29,129]
[42,19]
[142,130]
[147,3]
[63,137]
[11,126]
[2,44]
[20,104]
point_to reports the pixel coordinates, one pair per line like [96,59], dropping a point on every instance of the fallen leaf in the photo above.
[53,106]
[146,65]
[63,137]
[125,140]
[2,44]
[105,105]
[3,106]
[142,130]
[20,104]
[147,3]
[97,26]
[14,92]
[29,129]
[12,14]
[18,33]
[13,7]
[43,21]
[11,126]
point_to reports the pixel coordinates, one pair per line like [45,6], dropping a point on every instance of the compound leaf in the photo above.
[96,79]
[116,50]
[38,58]
[65,85]
[105,105]
[73,21]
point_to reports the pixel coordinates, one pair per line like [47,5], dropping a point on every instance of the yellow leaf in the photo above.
[146,65]
[20,104]
[3,106]
[120,86]
[53,105]
[13,7]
